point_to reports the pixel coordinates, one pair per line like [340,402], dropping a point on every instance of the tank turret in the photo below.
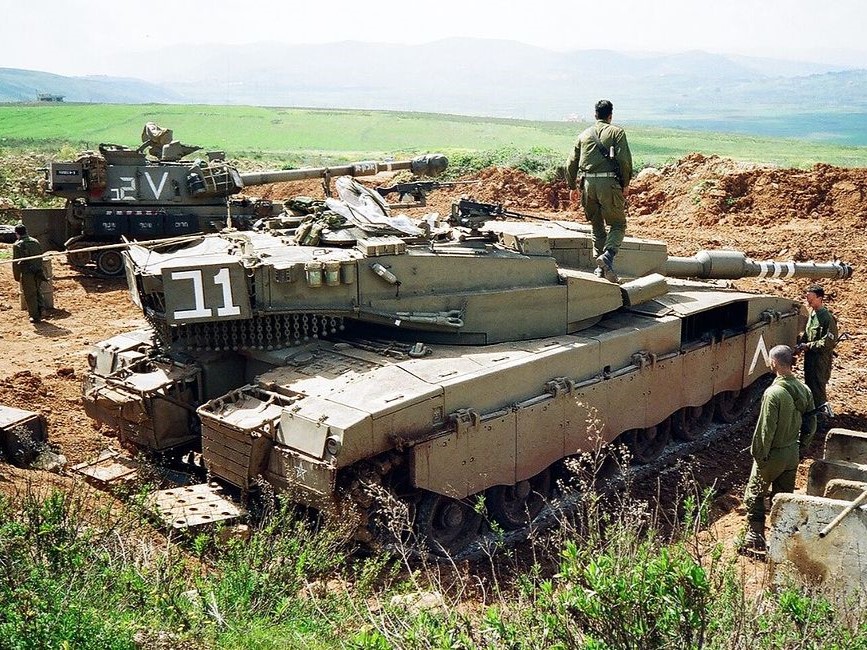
[433,362]
[517,282]
[152,192]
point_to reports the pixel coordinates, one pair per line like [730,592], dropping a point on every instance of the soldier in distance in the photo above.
[28,273]
[817,343]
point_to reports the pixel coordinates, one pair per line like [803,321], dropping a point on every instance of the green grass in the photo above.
[308,135]
[74,574]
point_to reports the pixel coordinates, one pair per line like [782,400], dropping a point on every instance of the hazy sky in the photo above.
[77,37]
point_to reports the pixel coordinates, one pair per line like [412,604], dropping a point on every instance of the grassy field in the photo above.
[307,135]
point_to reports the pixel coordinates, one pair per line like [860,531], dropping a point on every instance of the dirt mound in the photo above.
[512,188]
[516,190]
[279,192]
[706,191]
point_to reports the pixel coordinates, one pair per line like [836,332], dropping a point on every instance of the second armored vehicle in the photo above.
[119,192]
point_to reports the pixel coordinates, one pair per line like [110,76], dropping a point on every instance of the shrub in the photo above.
[633,594]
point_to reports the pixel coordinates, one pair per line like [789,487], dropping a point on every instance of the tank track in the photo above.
[371,494]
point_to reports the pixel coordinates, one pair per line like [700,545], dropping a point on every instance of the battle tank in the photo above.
[120,192]
[433,361]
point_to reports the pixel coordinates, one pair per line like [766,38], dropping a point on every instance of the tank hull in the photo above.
[467,418]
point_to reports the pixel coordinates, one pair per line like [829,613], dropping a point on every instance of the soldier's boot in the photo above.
[754,539]
[605,263]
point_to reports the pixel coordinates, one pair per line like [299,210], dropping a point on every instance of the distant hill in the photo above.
[25,85]
[495,78]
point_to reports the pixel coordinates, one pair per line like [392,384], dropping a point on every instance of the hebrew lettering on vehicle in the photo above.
[761,351]
[206,293]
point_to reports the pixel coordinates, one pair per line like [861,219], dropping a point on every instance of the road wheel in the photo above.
[690,422]
[109,263]
[647,444]
[731,405]
[445,525]
[78,259]
[514,506]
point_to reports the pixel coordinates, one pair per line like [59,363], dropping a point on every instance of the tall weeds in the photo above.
[78,570]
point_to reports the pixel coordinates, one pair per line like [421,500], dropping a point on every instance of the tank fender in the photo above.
[502,447]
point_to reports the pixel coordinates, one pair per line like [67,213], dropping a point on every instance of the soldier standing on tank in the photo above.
[28,273]
[776,442]
[817,343]
[601,167]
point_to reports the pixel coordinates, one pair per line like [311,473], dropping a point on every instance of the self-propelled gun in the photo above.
[157,191]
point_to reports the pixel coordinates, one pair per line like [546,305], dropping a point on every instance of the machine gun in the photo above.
[472,214]
[417,191]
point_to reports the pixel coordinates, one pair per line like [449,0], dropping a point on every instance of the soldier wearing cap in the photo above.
[817,343]
[601,167]
[28,273]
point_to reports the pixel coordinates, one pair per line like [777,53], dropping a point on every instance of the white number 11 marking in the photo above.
[229,307]
[221,278]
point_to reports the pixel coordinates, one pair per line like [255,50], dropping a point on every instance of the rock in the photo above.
[421,601]
[230,533]
[648,172]
[49,461]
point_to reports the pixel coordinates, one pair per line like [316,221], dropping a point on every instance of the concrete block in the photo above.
[846,444]
[822,471]
[795,551]
[22,435]
[844,490]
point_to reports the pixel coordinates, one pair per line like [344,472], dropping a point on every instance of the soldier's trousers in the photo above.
[30,285]
[778,478]
[603,203]
[817,371]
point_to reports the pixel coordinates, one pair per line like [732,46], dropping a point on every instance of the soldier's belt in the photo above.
[600,175]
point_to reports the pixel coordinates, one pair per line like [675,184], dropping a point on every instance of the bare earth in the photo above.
[699,202]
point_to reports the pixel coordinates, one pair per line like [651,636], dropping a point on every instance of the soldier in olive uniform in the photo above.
[601,167]
[28,273]
[776,441]
[817,344]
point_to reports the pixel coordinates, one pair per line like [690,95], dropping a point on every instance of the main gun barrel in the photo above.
[427,165]
[732,265]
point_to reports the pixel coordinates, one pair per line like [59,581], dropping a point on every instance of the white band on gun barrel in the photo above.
[776,270]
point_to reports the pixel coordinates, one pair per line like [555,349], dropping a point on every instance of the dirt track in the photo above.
[696,203]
